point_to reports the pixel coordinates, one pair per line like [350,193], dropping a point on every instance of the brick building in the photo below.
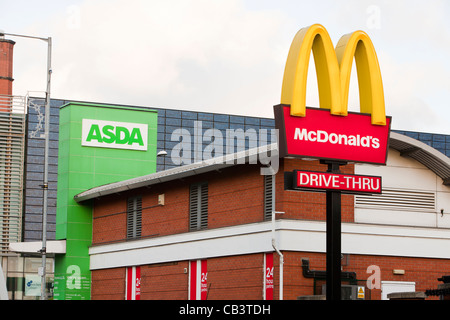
[205,231]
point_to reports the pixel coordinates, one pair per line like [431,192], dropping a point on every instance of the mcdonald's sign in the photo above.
[331,132]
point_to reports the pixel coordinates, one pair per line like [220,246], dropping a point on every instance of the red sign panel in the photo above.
[198,289]
[203,280]
[349,183]
[138,284]
[325,136]
[268,277]
[133,283]
[193,280]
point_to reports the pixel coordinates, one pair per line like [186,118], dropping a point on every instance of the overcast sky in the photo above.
[226,56]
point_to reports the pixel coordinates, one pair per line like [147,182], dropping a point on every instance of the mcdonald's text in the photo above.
[332,181]
[322,135]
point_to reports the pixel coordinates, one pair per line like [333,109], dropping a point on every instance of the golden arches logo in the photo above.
[333,69]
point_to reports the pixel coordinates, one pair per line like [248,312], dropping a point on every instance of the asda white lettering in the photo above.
[113,134]
[335,138]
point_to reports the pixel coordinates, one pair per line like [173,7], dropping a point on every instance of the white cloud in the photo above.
[416,73]
[200,54]
[229,55]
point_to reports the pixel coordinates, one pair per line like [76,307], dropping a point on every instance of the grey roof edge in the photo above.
[407,146]
[217,163]
[431,158]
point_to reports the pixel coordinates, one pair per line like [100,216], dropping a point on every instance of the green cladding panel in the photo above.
[98,144]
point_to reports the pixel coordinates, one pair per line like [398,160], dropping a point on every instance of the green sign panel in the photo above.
[98,144]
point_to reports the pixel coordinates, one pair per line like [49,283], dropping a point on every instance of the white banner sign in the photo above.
[113,134]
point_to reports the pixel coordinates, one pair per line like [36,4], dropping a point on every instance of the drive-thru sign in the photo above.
[347,183]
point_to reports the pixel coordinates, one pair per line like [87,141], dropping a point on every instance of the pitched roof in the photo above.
[242,157]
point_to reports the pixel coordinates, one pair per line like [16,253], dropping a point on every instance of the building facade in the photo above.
[218,219]
[169,121]
[172,124]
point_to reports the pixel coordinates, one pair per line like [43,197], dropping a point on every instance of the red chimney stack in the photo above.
[6,66]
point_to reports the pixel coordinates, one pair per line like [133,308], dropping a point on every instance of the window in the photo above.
[23,280]
[269,196]
[134,217]
[198,206]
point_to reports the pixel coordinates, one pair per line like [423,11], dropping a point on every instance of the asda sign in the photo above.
[113,134]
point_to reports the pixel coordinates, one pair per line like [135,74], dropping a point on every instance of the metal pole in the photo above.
[276,248]
[45,185]
[333,225]
[43,251]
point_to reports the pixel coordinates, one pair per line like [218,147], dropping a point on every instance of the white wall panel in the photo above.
[290,235]
[405,174]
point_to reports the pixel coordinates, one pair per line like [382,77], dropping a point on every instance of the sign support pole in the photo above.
[333,225]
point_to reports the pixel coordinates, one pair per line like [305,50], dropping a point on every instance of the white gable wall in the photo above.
[405,175]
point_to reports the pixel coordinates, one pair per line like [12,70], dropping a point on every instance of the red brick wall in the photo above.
[424,272]
[158,282]
[108,284]
[235,196]
[171,218]
[109,219]
[236,277]
[109,223]
[165,281]
[241,277]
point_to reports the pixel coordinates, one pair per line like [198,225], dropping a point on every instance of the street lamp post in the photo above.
[43,250]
